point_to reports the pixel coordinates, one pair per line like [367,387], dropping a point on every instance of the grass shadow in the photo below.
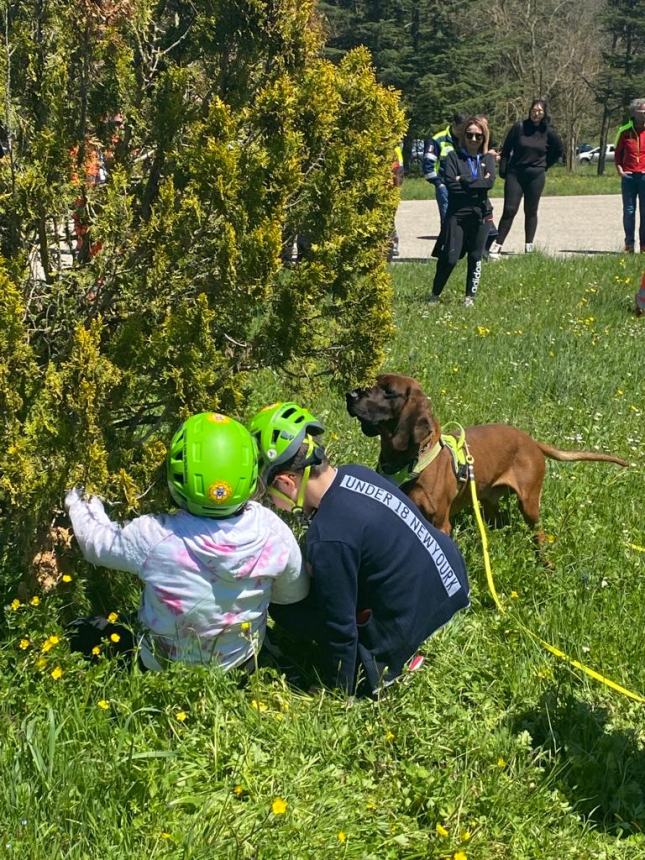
[600,770]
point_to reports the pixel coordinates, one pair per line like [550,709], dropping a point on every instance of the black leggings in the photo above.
[528,182]
[444,270]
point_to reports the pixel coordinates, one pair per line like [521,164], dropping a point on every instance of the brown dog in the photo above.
[506,459]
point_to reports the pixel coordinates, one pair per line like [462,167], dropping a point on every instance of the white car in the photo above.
[593,154]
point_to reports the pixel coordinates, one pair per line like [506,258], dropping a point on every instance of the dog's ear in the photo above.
[416,422]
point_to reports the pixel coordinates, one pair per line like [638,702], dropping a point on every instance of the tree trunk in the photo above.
[604,133]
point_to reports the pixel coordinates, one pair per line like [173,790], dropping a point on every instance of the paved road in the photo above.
[589,224]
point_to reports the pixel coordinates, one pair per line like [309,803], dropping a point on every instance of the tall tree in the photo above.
[144,273]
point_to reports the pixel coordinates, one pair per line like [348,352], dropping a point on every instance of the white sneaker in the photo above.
[528,248]
[469,302]
[494,251]
[432,299]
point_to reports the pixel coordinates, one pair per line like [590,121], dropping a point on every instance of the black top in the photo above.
[468,180]
[373,554]
[528,145]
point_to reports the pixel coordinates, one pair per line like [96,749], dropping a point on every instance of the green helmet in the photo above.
[212,465]
[279,430]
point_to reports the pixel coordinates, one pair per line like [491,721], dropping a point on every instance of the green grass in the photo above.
[493,740]
[559,182]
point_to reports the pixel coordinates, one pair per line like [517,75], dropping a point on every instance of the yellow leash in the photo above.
[500,608]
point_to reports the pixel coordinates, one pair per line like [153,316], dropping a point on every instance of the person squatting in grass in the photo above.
[629,159]
[531,147]
[383,578]
[209,570]
[468,173]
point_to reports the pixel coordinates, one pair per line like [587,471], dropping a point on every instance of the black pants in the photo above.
[444,270]
[528,183]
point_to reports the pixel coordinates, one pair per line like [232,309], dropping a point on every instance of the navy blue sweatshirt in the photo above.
[383,577]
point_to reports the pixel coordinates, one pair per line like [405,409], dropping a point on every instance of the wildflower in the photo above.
[259,706]
[514,595]
[24,644]
[501,762]
[54,639]
[41,663]
[103,704]
[549,538]
[113,617]
[441,831]
[482,331]
[15,605]
[96,650]
[181,716]
[35,600]
[165,835]
[57,673]
[114,637]
[460,855]
[279,806]
[66,577]
[389,736]
[466,835]
[238,790]
[47,646]
[341,836]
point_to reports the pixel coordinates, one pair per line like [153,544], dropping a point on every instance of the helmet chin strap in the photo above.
[297,507]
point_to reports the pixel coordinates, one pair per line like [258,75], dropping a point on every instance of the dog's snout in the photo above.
[353,395]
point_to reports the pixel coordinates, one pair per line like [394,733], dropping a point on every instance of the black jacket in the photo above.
[528,145]
[468,181]
[384,579]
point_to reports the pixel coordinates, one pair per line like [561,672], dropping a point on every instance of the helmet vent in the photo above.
[289,412]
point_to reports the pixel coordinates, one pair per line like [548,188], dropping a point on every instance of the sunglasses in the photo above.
[474,135]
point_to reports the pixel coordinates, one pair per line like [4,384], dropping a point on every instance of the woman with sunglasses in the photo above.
[468,173]
[530,148]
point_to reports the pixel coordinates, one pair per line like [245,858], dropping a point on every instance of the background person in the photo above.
[209,570]
[469,173]
[630,163]
[435,154]
[531,147]
[383,578]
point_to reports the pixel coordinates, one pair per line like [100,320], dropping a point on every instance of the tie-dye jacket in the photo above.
[204,579]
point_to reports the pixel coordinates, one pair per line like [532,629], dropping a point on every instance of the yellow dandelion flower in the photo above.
[24,644]
[54,640]
[41,663]
[57,673]
[501,762]
[259,706]
[182,716]
[549,538]
[114,637]
[514,595]
[460,855]
[389,736]
[96,650]
[113,617]
[66,577]
[441,831]
[35,600]
[47,646]
[279,806]
[15,604]
[341,836]
[482,331]
[165,835]
[466,835]
[238,790]
[103,704]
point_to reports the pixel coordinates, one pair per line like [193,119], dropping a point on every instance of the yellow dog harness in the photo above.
[456,444]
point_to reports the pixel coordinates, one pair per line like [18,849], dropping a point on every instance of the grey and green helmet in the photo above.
[279,430]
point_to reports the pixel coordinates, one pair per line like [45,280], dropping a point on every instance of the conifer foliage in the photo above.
[159,160]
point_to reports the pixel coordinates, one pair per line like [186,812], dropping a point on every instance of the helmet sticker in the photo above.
[218,418]
[272,454]
[219,492]
[270,406]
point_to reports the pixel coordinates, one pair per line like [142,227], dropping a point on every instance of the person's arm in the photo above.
[450,173]
[619,154]
[554,148]
[487,178]
[507,149]
[430,162]
[335,574]
[105,543]
[292,584]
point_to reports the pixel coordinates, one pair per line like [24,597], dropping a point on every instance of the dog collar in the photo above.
[456,444]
